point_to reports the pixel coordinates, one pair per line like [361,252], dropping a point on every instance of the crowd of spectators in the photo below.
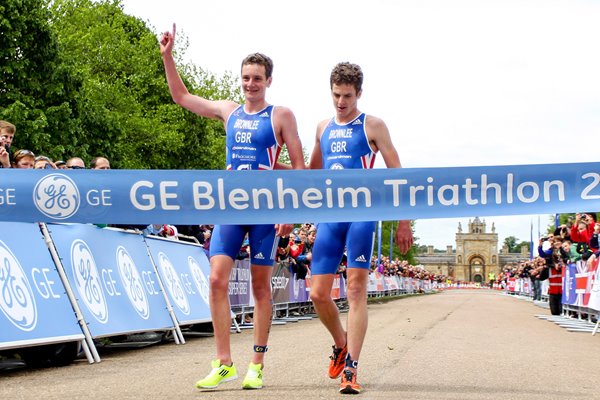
[571,242]
[27,159]
[295,251]
[403,269]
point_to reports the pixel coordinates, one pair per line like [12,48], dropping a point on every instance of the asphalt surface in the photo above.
[471,344]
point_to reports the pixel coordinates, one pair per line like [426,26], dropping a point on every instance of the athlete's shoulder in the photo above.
[373,121]
[324,124]
[282,112]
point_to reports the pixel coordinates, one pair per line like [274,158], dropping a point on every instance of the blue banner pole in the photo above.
[392,240]
[378,243]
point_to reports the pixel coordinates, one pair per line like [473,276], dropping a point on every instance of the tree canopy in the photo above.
[82,78]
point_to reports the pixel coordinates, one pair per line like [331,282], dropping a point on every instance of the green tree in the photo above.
[36,90]
[126,112]
[284,156]
[511,243]
[389,228]
[82,78]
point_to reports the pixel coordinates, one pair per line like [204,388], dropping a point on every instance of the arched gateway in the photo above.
[476,254]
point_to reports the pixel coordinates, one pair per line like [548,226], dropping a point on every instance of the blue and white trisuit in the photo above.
[344,146]
[250,144]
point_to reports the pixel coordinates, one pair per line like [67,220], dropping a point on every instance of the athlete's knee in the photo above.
[219,282]
[261,289]
[320,296]
[356,292]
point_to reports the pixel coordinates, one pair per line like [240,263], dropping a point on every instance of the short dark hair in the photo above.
[260,59]
[347,73]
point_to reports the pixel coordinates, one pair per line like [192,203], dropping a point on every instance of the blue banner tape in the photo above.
[258,197]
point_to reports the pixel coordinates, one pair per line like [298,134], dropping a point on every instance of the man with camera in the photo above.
[556,258]
[7,133]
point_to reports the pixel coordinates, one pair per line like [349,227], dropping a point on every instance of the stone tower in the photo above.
[476,252]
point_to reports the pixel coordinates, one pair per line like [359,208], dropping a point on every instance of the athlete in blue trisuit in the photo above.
[255,133]
[349,140]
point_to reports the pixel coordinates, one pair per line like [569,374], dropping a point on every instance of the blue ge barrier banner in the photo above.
[113,278]
[35,308]
[257,197]
[184,271]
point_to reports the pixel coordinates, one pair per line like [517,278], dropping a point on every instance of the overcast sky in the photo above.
[458,82]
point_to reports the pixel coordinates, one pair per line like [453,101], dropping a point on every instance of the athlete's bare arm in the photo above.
[286,130]
[219,109]
[316,157]
[380,139]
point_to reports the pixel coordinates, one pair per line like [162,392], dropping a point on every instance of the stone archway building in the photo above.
[476,255]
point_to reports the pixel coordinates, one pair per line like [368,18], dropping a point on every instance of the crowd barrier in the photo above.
[66,282]
[76,282]
[580,294]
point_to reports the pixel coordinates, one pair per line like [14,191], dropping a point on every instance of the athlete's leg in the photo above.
[357,315]
[263,247]
[327,254]
[327,310]
[220,310]
[360,249]
[263,308]
[225,243]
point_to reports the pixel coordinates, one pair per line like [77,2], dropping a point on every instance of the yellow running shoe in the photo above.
[220,373]
[254,377]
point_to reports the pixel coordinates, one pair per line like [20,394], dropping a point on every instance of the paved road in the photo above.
[453,345]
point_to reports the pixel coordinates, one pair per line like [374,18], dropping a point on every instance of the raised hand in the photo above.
[167,40]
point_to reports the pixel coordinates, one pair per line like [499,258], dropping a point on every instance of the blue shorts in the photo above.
[227,240]
[332,238]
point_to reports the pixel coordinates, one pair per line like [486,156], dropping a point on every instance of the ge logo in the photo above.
[337,166]
[173,283]
[16,297]
[132,282]
[87,280]
[56,196]
[199,278]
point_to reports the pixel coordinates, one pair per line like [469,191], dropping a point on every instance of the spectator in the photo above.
[7,132]
[555,258]
[582,231]
[535,277]
[283,249]
[4,153]
[563,231]
[60,164]
[23,159]
[43,162]
[100,163]
[304,259]
[166,231]
[571,250]
[194,231]
[207,236]
[594,238]
[75,163]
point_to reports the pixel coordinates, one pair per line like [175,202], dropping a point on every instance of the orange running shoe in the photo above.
[338,361]
[349,384]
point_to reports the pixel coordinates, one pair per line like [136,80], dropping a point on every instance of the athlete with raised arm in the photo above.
[255,133]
